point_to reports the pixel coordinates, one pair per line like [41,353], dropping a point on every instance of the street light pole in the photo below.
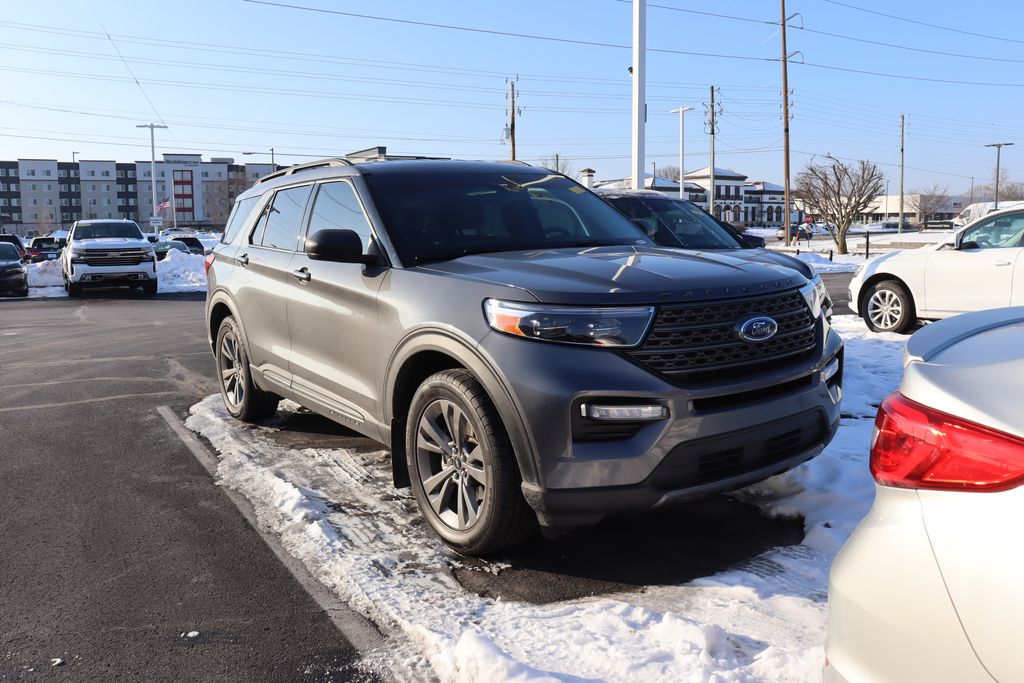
[152,167]
[682,169]
[999,148]
[73,155]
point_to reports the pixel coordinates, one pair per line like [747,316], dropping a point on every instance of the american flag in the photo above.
[166,204]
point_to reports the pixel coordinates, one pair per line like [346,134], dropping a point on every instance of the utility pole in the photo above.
[152,169]
[682,169]
[899,226]
[558,163]
[73,155]
[639,90]
[972,190]
[785,122]
[999,148]
[711,168]
[512,116]
[654,175]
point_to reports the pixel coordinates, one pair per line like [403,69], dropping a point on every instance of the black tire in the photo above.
[888,307]
[74,290]
[503,518]
[23,293]
[149,287]
[243,399]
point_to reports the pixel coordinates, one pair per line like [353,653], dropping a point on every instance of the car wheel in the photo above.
[462,466]
[74,290]
[888,307]
[243,399]
[149,287]
[23,293]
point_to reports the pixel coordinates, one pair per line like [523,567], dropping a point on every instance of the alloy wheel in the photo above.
[885,309]
[232,383]
[450,464]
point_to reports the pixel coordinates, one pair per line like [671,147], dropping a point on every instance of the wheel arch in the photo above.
[874,279]
[428,352]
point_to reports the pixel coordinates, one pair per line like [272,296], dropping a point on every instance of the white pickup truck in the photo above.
[108,253]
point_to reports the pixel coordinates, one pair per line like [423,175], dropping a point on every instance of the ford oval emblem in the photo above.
[757,329]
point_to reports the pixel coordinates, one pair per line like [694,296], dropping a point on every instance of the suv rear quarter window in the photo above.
[243,207]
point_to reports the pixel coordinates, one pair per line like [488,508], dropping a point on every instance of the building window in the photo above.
[92,202]
[131,188]
[32,187]
[162,174]
[106,188]
[146,174]
[120,174]
[106,202]
[30,171]
[92,174]
[206,174]
[131,174]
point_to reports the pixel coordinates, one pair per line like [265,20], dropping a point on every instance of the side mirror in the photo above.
[649,229]
[153,238]
[341,246]
[969,244]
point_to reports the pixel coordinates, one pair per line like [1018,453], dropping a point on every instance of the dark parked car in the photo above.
[674,222]
[13,275]
[796,232]
[192,243]
[43,249]
[747,240]
[527,352]
[18,244]
[163,248]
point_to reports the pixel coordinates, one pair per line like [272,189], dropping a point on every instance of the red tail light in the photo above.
[209,262]
[917,447]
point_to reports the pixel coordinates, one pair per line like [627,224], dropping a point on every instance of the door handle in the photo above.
[1003,263]
[243,260]
[302,275]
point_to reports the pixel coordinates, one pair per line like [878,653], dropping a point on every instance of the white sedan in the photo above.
[982,268]
[928,587]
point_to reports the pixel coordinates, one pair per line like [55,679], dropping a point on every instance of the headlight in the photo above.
[570,324]
[815,295]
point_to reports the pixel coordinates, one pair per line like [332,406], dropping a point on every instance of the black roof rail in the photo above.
[322,163]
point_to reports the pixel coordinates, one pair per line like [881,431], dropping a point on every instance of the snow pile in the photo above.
[841,263]
[181,272]
[45,274]
[763,620]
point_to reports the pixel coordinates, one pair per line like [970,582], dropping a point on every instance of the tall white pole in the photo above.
[639,90]
[682,168]
[152,163]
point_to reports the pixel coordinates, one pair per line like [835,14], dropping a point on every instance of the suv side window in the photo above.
[243,207]
[336,207]
[284,219]
[998,232]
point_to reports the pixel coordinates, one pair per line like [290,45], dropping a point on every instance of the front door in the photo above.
[977,275]
[332,315]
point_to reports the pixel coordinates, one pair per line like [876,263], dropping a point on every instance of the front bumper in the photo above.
[716,438]
[890,615]
[13,283]
[84,274]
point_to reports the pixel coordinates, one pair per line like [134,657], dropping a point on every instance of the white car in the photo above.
[107,253]
[928,587]
[981,268]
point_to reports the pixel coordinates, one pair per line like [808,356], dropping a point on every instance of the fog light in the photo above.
[634,413]
[830,370]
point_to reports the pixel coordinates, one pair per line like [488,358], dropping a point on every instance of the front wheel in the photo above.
[243,399]
[888,307]
[462,466]
[149,287]
[74,290]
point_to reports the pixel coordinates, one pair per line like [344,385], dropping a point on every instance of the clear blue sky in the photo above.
[231,76]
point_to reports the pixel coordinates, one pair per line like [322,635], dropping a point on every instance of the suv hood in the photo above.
[622,274]
[774,258]
[111,243]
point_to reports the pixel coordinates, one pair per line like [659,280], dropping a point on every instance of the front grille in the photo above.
[127,257]
[736,453]
[697,343]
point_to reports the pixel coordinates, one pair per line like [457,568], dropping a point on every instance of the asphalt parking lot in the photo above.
[119,543]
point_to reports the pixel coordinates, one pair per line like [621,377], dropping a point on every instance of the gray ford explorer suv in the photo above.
[525,350]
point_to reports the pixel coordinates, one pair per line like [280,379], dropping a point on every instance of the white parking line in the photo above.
[87,400]
[359,631]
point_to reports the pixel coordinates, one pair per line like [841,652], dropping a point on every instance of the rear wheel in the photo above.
[888,307]
[462,466]
[243,399]
[74,289]
[149,287]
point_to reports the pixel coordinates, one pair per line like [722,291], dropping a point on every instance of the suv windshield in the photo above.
[89,231]
[8,252]
[439,216]
[677,222]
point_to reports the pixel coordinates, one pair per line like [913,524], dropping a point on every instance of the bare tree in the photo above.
[928,202]
[670,172]
[556,162]
[836,193]
[1009,191]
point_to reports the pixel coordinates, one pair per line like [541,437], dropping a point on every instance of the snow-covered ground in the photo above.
[840,263]
[763,620]
[178,272]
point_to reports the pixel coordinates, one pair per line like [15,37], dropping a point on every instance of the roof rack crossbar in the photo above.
[321,163]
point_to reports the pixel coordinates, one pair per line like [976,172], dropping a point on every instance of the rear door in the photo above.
[980,273]
[261,293]
[332,315]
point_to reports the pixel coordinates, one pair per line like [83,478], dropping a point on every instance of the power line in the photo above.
[511,34]
[924,23]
